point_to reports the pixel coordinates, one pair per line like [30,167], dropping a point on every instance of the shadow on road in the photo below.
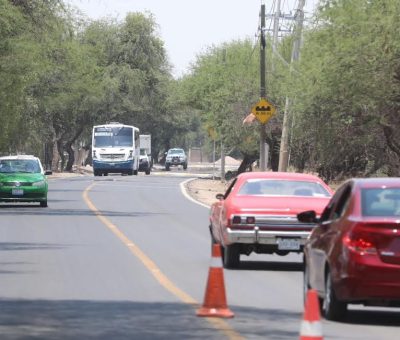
[34,210]
[81,319]
[374,317]
[271,266]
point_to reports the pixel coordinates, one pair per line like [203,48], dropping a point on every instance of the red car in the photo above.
[353,255]
[258,213]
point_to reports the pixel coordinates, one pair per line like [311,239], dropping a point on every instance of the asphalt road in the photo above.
[127,257]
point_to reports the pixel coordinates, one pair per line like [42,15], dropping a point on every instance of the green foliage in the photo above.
[222,87]
[63,75]
[345,90]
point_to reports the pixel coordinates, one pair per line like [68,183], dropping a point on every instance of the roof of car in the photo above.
[177,149]
[19,157]
[375,181]
[278,175]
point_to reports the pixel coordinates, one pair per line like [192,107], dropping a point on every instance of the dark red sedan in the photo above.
[353,255]
[258,213]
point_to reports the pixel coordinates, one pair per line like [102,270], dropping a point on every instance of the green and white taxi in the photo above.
[22,179]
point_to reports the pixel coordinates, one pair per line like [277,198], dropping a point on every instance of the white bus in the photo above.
[115,149]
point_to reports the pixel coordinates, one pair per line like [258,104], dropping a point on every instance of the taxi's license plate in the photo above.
[288,244]
[17,192]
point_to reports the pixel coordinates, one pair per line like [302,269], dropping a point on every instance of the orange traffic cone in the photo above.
[311,327]
[215,299]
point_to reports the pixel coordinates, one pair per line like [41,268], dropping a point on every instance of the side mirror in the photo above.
[219,197]
[308,216]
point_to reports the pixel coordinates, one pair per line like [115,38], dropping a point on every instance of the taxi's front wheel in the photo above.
[43,204]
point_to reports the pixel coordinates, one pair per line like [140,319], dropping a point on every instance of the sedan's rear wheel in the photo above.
[306,280]
[43,204]
[231,257]
[333,308]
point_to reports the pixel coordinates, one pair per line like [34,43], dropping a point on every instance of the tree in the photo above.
[347,86]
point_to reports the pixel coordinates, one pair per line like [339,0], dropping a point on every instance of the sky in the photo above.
[189,27]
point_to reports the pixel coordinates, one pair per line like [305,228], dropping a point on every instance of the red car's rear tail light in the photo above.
[360,242]
[236,220]
[250,220]
[247,220]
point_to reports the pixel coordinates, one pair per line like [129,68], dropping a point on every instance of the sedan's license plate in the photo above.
[17,192]
[288,244]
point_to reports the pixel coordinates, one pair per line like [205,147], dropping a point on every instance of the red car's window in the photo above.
[269,187]
[380,202]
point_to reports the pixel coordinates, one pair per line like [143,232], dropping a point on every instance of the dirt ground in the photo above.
[204,190]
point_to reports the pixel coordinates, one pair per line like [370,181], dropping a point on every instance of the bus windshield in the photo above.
[113,136]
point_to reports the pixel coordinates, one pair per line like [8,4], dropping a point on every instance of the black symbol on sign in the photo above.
[263,108]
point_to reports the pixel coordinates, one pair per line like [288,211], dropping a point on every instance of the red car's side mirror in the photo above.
[219,197]
[308,216]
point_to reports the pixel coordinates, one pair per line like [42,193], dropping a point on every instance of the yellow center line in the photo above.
[164,281]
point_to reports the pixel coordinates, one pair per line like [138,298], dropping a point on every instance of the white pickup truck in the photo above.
[145,163]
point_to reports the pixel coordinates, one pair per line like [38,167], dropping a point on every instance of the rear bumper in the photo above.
[369,281]
[270,239]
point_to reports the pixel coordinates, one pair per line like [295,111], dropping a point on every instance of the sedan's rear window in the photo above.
[380,202]
[268,187]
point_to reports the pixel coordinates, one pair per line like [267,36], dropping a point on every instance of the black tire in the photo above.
[333,309]
[231,257]
[135,172]
[213,241]
[306,280]
[167,166]
[147,171]
[43,204]
[185,166]
[96,173]
[130,172]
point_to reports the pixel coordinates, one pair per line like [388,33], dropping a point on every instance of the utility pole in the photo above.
[276,24]
[263,133]
[222,143]
[284,147]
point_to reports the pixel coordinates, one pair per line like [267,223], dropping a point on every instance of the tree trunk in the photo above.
[246,164]
[71,157]
[56,157]
[89,159]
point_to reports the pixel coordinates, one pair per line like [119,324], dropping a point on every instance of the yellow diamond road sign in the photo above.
[263,111]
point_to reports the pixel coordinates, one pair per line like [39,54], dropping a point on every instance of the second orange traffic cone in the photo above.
[311,327]
[215,298]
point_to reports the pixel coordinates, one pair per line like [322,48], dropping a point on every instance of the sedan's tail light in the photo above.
[250,220]
[360,241]
[236,220]
[243,220]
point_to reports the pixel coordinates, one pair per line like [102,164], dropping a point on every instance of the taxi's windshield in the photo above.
[19,166]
